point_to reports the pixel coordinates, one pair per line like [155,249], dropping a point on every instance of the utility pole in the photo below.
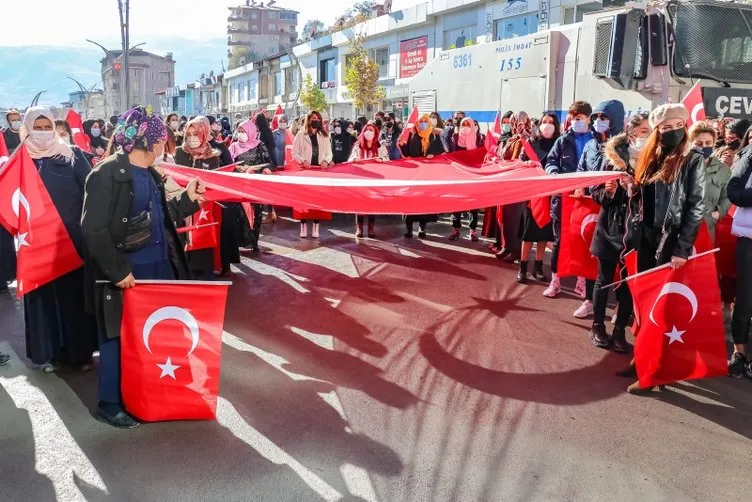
[124,10]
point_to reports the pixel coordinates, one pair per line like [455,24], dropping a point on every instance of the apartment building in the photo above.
[263,30]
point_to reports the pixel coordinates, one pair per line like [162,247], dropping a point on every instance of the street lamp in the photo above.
[124,67]
[87,93]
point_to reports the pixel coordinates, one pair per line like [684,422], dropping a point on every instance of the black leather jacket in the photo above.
[608,242]
[682,204]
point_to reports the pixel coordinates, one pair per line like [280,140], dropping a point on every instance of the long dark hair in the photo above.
[557,126]
[265,131]
[307,124]
[668,167]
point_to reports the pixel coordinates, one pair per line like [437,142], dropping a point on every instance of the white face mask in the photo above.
[466,131]
[174,125]
[242,137]
[16,125]
[368,135]
[434,121]
[637,146]
[506,128]
[547,130]
[66,139]
[602,125]
[96,132]
[283,125]
[193,142]
[42,139]
[337,130]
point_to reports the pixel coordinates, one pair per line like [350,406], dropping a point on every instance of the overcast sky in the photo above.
[69,22]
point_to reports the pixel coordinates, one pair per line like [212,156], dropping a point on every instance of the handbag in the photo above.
[138,231]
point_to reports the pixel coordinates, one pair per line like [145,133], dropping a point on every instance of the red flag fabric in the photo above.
[540,206]
[578,220]
[412,121]
[492,135]
[80,139]
[703,242]
[406,186]
[171,342]
[45,249]
[289,139]
[204,232]
[630,261]
[693,103]
[725,241]
[275,119]
[3,147]
[681,335]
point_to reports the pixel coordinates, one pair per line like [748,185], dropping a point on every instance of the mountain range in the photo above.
[26,70]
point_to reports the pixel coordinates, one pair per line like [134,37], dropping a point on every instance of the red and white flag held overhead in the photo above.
[171,336]
[693,103]
[79,138]
[45,249]
[277,114]
[410,125]
[579,218]
[492,135]
[681,334]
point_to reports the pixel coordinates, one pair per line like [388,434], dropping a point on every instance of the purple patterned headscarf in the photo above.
[139,128]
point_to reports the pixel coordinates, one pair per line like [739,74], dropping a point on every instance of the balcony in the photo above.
[234,17]
[238,30]
[237,42]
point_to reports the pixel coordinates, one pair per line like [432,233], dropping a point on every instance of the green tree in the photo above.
[241,56]
[362,75]
[311,28]
[312,96]
[364,8]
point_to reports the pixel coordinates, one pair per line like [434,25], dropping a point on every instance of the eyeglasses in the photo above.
[601,117]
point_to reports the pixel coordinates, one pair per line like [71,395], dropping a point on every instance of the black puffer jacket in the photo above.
[609,239]
[683,205]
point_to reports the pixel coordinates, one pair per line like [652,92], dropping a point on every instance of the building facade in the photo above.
[149,73]
[88,104]
[261,30]
[262,84]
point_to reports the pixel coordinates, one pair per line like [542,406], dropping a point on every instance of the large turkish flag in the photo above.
[681,334]
[703,242]
[3,148]
[726,243]
[45,249]
[171,343]
[540,206]
[578,220]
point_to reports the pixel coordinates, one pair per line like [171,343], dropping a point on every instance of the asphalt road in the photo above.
[386,370]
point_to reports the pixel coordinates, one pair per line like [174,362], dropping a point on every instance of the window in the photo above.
[254,15]
[272,15]
[516,26]
[287,16]
[278,83]
[272,27]
[326,70]
[459,37]
[381,57]
[569,15]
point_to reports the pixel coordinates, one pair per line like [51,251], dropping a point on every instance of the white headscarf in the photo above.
[56,148]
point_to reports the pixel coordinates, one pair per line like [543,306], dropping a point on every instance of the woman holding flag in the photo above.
[466,137]
[130,235]
[668,204]
[368,147]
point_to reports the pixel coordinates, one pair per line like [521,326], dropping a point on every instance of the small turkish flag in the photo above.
[492,135]
[171,343]
[725,241]
[277,114]
[80,139]
[703,242]
[45,249]
[681,334]
[410,125]
[693,103]
[204,233]
[578,220]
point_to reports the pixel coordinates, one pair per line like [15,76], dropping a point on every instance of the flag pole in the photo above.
[654,269]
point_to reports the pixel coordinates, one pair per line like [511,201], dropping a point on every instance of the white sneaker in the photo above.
[303,231]
[585,310]
[315,230]
[581,288]
[553,289]
[616,315]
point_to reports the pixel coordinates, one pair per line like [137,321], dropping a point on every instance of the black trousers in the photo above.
[412,219]
[557,242]
[457,220]
[360,219]
[740,322]
[606,271]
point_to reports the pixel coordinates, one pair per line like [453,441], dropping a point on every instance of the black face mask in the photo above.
[315,124]
[388,124]
[707,152]
[457,121]
[671,139]
[734,145]
[378,123]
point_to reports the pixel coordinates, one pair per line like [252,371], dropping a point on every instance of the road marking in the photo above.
[264,269]
[57,454]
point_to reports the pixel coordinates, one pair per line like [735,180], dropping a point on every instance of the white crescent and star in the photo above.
[675,336]
[20,241]
[204,215]
[18,200]
[178,314]
[696,112]
[679,289]
[588,220]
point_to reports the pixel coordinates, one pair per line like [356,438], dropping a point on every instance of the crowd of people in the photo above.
[675,178]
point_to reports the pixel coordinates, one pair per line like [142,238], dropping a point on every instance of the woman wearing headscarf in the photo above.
[668,203]
[96,137]
[64,132]
[312,148]
[130,235]
[368,147]
[342,142]
[422,142]
[58,329]
[511,214]
[265,135]
[530,232]
[253,156]
[466,137]
[199,152]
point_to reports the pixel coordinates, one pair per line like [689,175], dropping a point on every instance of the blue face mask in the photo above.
[602,125]
[423,126]
[707,152]
[580,126]
[96,132]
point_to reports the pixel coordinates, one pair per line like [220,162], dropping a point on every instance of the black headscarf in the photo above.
[265,133]
[101,141]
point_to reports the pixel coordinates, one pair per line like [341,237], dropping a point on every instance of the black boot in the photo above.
[598,336]
[408,231]
[619,340]
[538,271]
[522,274]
